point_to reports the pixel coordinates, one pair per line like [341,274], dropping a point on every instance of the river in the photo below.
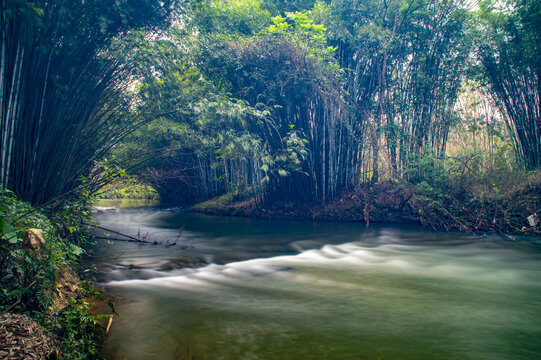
[212,288]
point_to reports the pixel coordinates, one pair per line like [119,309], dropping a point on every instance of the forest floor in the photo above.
[459,206]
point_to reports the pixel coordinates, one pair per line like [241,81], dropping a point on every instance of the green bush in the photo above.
[28,275]
[128,188]
[77,327]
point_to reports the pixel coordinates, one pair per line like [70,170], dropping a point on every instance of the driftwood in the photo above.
[108,327]
[130,238]
[118,239]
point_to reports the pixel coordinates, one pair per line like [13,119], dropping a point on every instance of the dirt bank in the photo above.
[453,207]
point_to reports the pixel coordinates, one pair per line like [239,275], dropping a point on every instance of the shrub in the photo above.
[29,274]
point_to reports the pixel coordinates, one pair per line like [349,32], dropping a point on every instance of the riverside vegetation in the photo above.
[458,203]
[63,106]
[39,265]
[361,111]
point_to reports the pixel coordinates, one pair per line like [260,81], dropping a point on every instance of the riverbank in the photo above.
[46,306]
[453,205]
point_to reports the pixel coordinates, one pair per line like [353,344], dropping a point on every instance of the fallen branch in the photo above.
[118,239]
[463,227]
[116,232]
[108,327]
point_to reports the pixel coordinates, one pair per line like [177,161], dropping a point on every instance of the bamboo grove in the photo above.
[295,100]
[63,95]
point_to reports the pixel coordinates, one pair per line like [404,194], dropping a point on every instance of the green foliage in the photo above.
[404,62]
[288,160]
[305,99]
[426,168]
[509,41]
[226,204]
[243,17]
[234,101]
[64,92]
[280,7]
[301,29]
[498,201]
[127,188]
[77,326]
[28,275]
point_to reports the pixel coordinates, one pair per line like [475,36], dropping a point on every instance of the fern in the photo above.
[13,294]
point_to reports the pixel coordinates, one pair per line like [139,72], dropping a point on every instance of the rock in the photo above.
[533,220]
[33,239]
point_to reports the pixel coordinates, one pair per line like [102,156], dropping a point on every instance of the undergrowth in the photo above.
[469,198]
[30,275]
[433,196]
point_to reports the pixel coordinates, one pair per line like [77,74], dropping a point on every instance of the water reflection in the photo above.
[127,203]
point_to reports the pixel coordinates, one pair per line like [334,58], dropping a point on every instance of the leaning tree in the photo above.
[510,54]
[63,102]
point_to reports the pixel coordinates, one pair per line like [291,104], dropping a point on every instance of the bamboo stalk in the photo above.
[15,116]
[2,80]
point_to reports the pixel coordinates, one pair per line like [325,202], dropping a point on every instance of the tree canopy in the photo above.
[298,100]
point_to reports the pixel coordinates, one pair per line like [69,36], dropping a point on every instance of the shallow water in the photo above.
[262,289]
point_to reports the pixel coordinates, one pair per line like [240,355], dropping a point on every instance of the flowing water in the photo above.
[236,288]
